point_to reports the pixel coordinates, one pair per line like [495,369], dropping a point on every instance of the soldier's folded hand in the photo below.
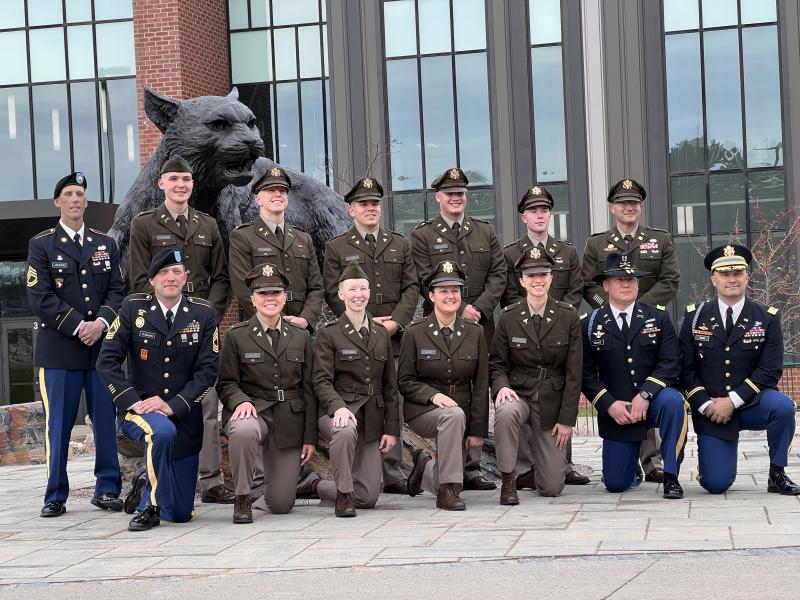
[639,408]
[91,331]
[152,404]
[619,411]
[443,401]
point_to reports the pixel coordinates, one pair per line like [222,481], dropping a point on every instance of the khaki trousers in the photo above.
[355,463]
[390,467]
[650,453]
[281,465]
[551,463]
[525,453]
[210,473]
[447,426]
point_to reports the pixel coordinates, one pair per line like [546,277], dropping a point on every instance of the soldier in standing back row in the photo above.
[535,211]
[385,257]
[471,244]
[653,251]
[176,225]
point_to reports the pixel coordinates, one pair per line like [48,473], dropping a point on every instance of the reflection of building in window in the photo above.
[279,63]
[725,126]
[67,81]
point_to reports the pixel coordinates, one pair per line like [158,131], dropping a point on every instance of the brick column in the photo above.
[181,51]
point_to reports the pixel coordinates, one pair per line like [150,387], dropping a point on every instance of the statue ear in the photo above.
[234,94]
[160,109]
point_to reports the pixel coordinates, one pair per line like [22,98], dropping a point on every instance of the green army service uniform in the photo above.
[256,243]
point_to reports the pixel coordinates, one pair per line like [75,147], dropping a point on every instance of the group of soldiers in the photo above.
[153,365]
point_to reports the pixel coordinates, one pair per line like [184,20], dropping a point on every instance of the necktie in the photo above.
[729,321]
[537,323]
[77,240]
[279,235]
[447,334]
[456,227]
[628,241]
[274,336]
[181,223]
[625,328]
[169,316]
[364,332]
[370,242]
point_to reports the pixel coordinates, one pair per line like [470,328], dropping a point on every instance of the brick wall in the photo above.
[231,317]
[181,51]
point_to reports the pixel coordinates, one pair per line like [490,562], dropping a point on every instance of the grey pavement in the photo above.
[587,543]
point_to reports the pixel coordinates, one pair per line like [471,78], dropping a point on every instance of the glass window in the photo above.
[51,136]
[727,199]
[762,96]
[13,300]
[47,54]
[118,99]
[117,58]
[545,25]
[259,13]
[79,10]
[12,13]
[14,66]
[400,32]
[237,14]
[689,204]
[86,152]
[80,43]
[105,10]
[437,115]
[717,13]
[434,26]
[766,197]
[548,114]
[310,62]
[407,211]
[45,12]
[293,12]
[474,130]
[723,99]
[314,149]
[250,57]
[289,150]
[469,24]
[684,102]
[680,14]
[559,221]
[404,129]
[285,54]
[16,168]
[758,11]
[256,96]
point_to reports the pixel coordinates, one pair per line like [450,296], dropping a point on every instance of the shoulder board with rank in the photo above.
[423,223]
[140,297]
[45,232]
[563,304]
[583,316]
[512,306]
[329,323]
[97,231]
[661,307]
[238,325]
[200,301]
[691,308]
[772,310]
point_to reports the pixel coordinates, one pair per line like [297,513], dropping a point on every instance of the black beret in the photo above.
[365,189]
[176,164]
[165,258]
[534,260]
[274,177]
[352,271]
[625,190]
[266,278]
[445,273]
[76,178]
[535,196]
[731,257]
[619,264]
[453,180]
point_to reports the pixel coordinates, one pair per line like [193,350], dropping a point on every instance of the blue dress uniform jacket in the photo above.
[179,364]
[615,368]
[749,363]
[67,285]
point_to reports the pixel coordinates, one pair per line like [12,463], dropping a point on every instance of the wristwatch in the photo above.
[646,395]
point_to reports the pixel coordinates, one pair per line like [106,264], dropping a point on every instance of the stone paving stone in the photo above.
[315,558]
[105,567]
[530,549]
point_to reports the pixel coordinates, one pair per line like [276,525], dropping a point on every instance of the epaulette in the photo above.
[657,229]
[296,228]
[565,242]
[471,322]
[238,325]
[336,237]
[243,225]
[583,316]
[481,220]
[512,306]
[98,232]
[421,223]
[295,325]
[563,304]
[514,243]
[140,297]
[200,212]
[146,212]
[691,308]
[772,310]
[200,301]
[329,323]
[50,231]
[661,307]
[417,322]
[599,233]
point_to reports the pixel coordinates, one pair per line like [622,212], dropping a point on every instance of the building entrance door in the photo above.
[17,375]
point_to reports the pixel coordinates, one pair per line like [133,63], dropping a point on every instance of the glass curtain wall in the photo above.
[67,97]
[725,128]
[279,62]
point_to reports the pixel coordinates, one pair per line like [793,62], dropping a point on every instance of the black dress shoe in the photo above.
[672,488]
[526,481]
[307,486]
[398,487]
[53,509]
[479,483]
[414,481]
[779,483]
[575,478]
[146,519]
[107,502]
[656,476]
[135,496]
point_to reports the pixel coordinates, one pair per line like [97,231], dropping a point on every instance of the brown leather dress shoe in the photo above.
[344,507]
[656,476]
[479,483]
[398,487]
[526,480]
[575,478]
[219,494]
[242,510]
[307,486]
[508,491]
[448,499]
[414,481]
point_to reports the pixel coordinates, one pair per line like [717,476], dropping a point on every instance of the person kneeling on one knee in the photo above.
[631,358]
[444,377]
[356,383]
[535,370]
[268,398]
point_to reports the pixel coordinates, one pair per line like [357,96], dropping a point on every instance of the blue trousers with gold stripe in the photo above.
[170,483]
[61,397]
[775,413]
[667,411]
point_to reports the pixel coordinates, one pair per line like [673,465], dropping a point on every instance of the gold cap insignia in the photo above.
[536,253]
[729,251]
[368,183]
[447,267]
[275,172]
[536,190]
[454,174]
[627,184]
[268,271]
